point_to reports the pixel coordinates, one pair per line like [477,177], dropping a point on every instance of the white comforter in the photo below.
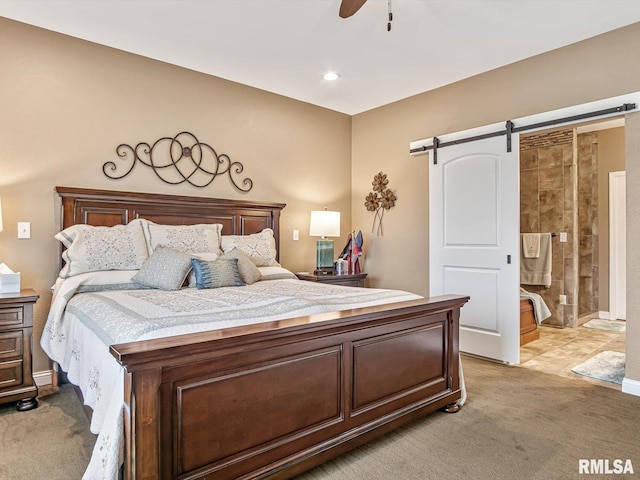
[80,328]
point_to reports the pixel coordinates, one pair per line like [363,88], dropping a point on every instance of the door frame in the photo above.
[617,220]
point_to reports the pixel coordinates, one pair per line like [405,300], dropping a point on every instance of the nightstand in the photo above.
[353,280]
[16,328]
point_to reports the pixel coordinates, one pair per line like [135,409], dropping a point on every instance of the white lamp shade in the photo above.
[0,214]
[324,224]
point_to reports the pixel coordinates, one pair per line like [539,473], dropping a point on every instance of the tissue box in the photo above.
[10,282]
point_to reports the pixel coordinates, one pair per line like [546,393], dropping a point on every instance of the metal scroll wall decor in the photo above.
[381,199]
[177,160]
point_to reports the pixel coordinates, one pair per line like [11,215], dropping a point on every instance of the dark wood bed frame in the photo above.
[270,400]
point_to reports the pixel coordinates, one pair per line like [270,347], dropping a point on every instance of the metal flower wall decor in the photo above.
[381,199]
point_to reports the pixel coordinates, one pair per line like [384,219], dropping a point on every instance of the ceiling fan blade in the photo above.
[349,7]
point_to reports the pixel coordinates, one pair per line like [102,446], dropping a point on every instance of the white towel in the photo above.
[531,245]
[540,310]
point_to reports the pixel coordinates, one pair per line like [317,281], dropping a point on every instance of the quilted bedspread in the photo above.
[81,327]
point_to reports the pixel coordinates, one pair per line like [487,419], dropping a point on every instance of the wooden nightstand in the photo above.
[16,326]
[353,280]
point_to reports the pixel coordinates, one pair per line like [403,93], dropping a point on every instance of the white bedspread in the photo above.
[540,310]
[80,328]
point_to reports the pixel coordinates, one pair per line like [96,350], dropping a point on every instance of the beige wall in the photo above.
[66,104]
[610,159]
[632,147]
[563,77]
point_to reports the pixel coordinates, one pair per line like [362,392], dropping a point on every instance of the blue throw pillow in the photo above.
[222,272]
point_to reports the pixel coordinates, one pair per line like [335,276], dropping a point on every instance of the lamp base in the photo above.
[324,255]
[325,271]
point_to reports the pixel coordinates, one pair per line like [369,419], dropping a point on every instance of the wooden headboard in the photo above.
[108,208]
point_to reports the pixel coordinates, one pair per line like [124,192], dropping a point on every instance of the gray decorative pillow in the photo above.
[165,269]
[249,273]
[222,272]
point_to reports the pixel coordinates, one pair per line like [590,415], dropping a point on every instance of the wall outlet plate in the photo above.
[563,299]
[24,229]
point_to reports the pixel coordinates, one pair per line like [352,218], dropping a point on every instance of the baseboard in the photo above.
[631,386]
[43,378]
[604,315]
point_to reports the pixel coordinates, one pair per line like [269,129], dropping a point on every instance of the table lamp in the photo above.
[324,224]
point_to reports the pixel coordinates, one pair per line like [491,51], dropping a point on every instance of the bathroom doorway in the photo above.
[565,190]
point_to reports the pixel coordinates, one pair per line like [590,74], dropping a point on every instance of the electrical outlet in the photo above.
[563,299]
[563,237]
[24,230]
[296,235]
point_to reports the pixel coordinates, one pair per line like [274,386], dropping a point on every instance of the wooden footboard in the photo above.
[274,399]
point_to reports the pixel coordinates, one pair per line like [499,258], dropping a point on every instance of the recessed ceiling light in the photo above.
[331,76]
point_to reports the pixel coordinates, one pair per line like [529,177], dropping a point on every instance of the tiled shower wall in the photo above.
[548,199]
[588,284]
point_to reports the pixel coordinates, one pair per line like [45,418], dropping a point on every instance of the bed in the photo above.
[260,400]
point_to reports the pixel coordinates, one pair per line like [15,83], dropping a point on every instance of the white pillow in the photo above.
[260,247]
[276,273]
[90,249]
[200,238]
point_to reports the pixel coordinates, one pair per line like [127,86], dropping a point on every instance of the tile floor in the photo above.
[560,349]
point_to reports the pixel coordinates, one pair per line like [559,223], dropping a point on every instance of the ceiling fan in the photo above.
[349,7]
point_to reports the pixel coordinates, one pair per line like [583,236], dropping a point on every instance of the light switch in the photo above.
[563,236]
[296,235]
[24,229]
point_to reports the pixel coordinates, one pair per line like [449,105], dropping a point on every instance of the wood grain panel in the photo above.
[254,224]
[104,217]
[295,394]
[391,365]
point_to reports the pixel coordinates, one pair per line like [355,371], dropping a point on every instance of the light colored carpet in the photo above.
[50,442]
[517,424]
[607,366]
[608,325]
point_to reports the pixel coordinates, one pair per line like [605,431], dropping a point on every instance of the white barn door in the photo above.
[474,222]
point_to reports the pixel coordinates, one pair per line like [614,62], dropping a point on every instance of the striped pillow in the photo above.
[222,272]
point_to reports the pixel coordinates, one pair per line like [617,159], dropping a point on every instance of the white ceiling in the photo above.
[284,46]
